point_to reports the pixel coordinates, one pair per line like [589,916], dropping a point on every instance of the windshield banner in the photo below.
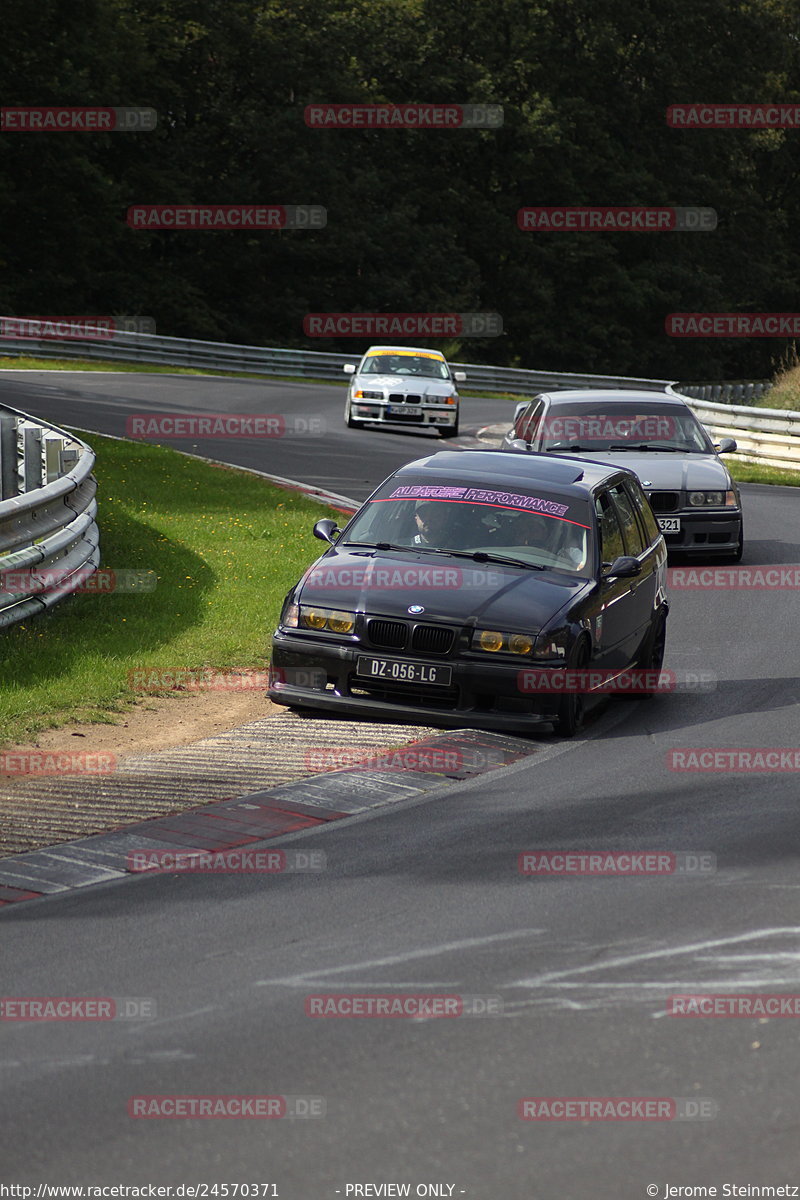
[429,491]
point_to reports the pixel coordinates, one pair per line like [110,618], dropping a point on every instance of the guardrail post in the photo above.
[32,458]
[8,456]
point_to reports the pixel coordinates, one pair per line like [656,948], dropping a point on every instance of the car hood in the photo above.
[449,589]
[404,384]
[670,472]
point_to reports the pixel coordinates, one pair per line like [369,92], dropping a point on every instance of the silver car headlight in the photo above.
[714,499]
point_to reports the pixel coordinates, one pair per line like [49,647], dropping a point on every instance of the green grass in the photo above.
[785,393]
[225,546]
[755,473]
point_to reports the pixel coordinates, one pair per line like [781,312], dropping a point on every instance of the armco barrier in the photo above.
[768,436]
[47,513]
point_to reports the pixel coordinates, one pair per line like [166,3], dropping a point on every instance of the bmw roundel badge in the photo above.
[416,609]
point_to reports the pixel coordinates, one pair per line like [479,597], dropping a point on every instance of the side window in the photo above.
[611,544]
[634,540]
[533,421]
[521,422]
[645,512]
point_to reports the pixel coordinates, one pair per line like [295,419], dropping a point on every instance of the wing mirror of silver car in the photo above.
[518,444]
[349,368]
[327,531]
[725,446]
[624,567]
[459,376]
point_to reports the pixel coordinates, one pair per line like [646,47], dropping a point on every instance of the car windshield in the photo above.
[405,364]
[629,424]
[533,527]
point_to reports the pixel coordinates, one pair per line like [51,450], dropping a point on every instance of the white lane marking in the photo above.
[393,959]
[650,955]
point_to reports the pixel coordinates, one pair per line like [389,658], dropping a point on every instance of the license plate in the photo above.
[404,672]
[396,410]
[669,524]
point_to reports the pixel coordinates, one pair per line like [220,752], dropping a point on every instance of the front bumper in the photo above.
[417,416]
[705,533]
[485,695]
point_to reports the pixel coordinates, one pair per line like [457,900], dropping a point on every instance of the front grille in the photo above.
[387,633]
[664,502]
[432,639]
[402,398]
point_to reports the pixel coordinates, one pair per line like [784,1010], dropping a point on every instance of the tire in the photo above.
[570,707]
[451,431]
[652,657]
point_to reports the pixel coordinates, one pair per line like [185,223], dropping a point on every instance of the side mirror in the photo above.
[326,529]
[520,408]
[349,368]
[519,444]
[459,376]
[725,446]
[624,567]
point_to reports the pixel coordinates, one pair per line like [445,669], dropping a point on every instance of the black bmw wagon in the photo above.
[461,578]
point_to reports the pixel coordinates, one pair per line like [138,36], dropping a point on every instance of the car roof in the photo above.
[591,396]
[574,476]
[403,350]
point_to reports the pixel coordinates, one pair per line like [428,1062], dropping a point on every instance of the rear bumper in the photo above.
[481,695]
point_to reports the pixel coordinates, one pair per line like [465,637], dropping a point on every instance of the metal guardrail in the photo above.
[49,540]
[770,436]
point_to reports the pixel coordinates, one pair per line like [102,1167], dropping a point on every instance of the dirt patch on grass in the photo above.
[156,723]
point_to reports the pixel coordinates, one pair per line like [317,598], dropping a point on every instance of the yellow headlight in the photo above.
[520,643]
[341,622]
[489,640]
[314,619]
[358,395]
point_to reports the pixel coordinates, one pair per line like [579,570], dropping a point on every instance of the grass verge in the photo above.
[754,473]
[225,546]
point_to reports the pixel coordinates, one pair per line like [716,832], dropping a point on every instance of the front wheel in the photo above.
[739,551]
[449,431]
[571,707]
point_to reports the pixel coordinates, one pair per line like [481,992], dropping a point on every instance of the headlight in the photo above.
[717,499]
[326,618]
[495,642]
[291,616]
[359,395]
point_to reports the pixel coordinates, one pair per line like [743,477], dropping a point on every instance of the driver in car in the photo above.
[433,519]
